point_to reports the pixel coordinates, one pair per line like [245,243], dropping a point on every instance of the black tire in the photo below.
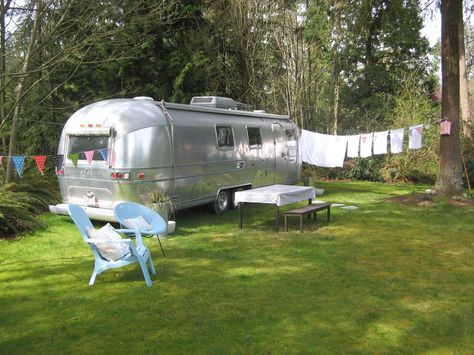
[222,203]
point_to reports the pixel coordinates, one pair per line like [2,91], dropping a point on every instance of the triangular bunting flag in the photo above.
[40,159]
[89,155]
[58,161]
[74,158]
[104,152]
[18,161]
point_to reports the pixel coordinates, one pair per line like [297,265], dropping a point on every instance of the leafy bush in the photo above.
[21,202]
[16,212]
[43,191]
[354,169]
[412,106]
[365,169]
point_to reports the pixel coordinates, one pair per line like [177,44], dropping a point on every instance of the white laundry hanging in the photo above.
[366,145]
[380,142]
[396,140]
[322,150]
[415,136]
[353,146]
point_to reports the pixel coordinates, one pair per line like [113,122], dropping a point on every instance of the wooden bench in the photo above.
[307,210]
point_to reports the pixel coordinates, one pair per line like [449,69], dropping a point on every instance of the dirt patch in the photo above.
[423,199]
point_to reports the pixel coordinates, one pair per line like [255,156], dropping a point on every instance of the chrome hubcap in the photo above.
[222,201]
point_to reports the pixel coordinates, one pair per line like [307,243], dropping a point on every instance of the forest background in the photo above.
[335,66]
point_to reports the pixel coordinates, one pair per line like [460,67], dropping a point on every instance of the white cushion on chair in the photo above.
[112,251]
[138,223]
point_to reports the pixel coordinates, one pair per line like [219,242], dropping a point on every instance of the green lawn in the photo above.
[385,278]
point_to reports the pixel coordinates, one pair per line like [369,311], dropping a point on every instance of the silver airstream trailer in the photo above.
[198,154]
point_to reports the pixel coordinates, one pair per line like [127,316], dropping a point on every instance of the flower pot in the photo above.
[171,227]
[162,208]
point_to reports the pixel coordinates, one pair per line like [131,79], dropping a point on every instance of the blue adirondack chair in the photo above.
[127,211]
[139,253]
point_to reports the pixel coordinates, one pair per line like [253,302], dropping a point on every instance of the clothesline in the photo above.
[331,150]
[318,149]
[425,127]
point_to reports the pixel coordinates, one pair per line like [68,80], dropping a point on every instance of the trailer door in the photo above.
[291,152]
[279,156]
[285,154]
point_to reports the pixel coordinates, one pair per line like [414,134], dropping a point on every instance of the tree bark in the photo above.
[19,94]
[449,181]
[336,70]
[5,6]
[464,91]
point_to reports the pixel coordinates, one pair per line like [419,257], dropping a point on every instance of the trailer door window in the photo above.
[255,137]
[225,138]
[291,143]
[81,144]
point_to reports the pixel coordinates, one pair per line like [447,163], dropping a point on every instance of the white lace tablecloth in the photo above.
[275,194]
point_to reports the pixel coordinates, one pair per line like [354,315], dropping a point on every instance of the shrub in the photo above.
[366,169]
[412,105]
[354,169]
[16,212]
[21,202]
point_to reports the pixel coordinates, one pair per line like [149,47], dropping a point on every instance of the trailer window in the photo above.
[291,143]
[290,135]
[255,137]
[225,138]
[81,144]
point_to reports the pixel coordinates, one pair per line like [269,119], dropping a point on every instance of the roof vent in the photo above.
[214,101]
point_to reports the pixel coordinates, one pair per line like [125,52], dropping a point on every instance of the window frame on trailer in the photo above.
[97,158]
[259,143]
[229,142]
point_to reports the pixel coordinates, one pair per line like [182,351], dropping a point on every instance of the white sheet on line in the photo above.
[380,142]
[353,146]
[366,145]
[415,136]
[396,140]
[322,149]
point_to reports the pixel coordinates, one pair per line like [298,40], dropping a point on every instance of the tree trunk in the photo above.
[3,13]
[19,94]
[336,71]
[464,92]
[449,182]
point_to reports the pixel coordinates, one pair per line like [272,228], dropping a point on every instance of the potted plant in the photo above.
[163,205]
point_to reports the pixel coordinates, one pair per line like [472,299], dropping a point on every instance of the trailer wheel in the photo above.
[222,202]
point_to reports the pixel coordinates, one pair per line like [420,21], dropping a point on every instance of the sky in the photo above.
[432,28]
